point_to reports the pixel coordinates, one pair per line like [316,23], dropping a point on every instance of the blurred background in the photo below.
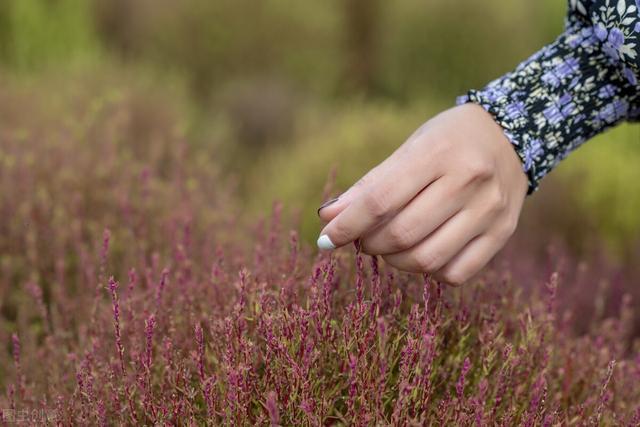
[285,96]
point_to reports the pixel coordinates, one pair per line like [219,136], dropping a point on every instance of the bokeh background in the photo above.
[285,96]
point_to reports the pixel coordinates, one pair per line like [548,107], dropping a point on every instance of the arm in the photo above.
[571,90]
[450,197]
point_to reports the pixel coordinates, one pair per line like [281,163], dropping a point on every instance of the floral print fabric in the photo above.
[571,90]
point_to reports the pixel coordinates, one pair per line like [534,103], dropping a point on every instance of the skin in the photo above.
[444,203]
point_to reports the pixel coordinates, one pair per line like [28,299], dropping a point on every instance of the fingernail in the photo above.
[327,203]
[325,243]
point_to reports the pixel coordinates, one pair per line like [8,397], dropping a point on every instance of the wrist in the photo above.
[487,128]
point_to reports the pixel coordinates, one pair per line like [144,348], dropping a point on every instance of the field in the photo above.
[156,215]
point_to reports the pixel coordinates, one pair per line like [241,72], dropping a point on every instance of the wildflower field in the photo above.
[134,291]
[161,164]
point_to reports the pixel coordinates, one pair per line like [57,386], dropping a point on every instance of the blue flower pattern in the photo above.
[571,90]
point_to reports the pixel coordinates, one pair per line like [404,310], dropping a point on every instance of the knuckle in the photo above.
[399,236]
[497,200]
[478,169]
[376,203]
[429,262]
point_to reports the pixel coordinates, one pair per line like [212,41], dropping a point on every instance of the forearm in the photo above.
[562,96]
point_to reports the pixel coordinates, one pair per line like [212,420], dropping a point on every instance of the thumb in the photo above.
[331,208]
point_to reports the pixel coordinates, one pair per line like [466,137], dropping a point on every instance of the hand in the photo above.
[443,203]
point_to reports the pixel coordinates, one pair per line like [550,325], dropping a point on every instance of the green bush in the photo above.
[404,50]
[291,65]
[350,140]
[35,33]
[609,190]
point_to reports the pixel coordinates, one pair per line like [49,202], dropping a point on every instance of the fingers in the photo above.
[382,195]
[438,249]
[376,200]
[470,260]
[331,210]
[426,212]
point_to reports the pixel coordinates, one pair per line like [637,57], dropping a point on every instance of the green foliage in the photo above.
[214,42]
[36,33]
[422,55]
[410,48]
[349,139]
[610,188]
[443,47]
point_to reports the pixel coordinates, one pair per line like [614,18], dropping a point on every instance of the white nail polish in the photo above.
[325,243]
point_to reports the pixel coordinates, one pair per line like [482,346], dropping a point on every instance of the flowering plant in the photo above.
[181,312]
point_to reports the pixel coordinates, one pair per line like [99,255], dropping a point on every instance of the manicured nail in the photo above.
[327,203]
[325,243]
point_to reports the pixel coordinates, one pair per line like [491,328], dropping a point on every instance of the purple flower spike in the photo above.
[149,324]
[466,366]
[16,350]
[272,408]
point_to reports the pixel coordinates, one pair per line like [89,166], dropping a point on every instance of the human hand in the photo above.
[443,203]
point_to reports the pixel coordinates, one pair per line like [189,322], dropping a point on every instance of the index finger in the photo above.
[380,197]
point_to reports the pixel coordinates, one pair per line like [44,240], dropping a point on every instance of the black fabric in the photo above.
[571,90]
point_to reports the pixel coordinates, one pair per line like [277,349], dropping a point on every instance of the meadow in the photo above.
[157,205]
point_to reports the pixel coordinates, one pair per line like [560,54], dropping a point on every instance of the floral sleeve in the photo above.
[571,90]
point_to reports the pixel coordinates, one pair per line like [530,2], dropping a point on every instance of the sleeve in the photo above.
[565,94]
